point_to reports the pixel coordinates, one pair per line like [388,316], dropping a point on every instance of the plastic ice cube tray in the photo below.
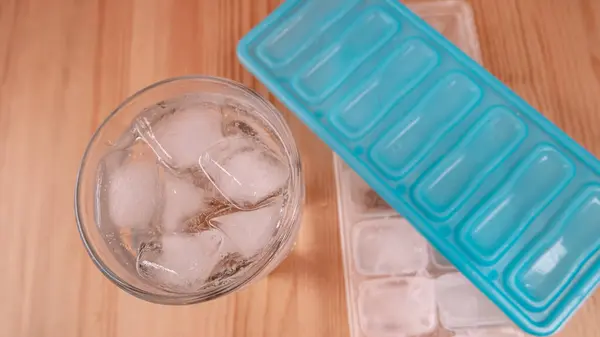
[500,191]
[378,244]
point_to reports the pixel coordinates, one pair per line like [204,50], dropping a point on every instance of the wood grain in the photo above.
[64,64]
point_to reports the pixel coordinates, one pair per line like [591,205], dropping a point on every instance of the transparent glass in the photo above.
[110,254]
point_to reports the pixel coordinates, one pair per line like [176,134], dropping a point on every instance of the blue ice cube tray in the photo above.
[499,190]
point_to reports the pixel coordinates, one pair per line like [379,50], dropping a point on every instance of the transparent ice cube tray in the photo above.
[506,196]
[381,250]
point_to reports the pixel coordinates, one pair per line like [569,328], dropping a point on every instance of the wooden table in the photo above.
[64,64]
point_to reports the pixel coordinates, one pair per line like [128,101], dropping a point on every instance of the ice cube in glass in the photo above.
[245,171]
[181,134]
[180,262]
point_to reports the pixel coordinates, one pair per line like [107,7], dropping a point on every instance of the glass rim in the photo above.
[174,298]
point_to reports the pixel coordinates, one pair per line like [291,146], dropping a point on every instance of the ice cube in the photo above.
[491,332]
[245,171]
[363,197]
[438,333]
[107,165]
[461,305]
[447,26]
[439,261]
[397,307]
[241,120]
[179,138]
[389,246]
[180,262]
[250,231]
[237,120]
[133,194]
[183,200]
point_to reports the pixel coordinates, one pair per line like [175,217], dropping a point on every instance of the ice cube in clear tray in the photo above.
[180,135]
[128,190]
[388,246]
[461,305]
[454,20]
[491,332]
[397,307]
[439,261]
[245,171]
[182,201]
[250,231]
[180,262]
[364,199]
[447,25]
